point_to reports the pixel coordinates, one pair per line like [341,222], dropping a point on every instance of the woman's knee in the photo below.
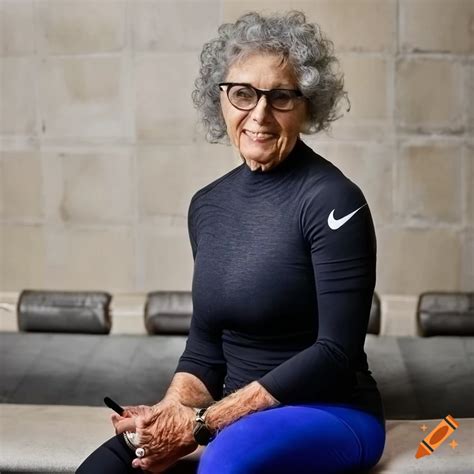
[113,456]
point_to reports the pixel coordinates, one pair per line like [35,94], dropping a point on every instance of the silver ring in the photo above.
[140,452]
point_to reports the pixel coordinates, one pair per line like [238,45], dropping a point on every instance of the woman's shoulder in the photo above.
[216,184]
[323,178]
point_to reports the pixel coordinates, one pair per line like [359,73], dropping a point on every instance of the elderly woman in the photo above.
[274,377]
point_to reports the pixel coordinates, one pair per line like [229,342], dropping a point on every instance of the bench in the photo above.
[53,385]
[45,438]
[51,414]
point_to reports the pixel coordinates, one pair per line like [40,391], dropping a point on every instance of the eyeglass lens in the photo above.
[246,97]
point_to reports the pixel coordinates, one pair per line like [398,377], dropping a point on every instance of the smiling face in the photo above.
[263,136]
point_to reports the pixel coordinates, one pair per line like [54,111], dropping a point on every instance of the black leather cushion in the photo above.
[446,314]
[374,318]
[168,312]
[64,311]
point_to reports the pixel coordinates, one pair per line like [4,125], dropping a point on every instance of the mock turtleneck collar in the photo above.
[286,165]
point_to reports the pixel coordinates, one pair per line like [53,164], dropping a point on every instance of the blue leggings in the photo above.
[302,439]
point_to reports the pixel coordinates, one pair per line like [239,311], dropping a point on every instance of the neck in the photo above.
[256,166]
[263,167]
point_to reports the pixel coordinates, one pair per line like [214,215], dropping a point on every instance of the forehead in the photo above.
[265,71]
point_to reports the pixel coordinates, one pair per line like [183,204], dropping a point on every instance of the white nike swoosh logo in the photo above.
[334,223]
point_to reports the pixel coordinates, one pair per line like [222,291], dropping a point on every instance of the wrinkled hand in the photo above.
[165,431]
[126,422]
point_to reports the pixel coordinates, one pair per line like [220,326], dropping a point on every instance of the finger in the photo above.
[144,422]
[127,424]
[149,417]
[115,418]
[145,439]
[148,437]
[152,463]
[135,410]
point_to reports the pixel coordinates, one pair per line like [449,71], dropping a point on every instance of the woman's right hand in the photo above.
[126,422]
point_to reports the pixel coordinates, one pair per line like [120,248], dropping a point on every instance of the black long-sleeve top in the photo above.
[283,283]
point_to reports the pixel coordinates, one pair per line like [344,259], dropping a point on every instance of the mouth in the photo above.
[259,136]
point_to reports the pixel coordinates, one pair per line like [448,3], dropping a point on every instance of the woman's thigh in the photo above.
[297,439]
[113,457]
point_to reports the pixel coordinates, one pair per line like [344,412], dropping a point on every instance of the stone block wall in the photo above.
[101,153]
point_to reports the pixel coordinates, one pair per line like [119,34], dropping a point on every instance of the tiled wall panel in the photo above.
[101,151]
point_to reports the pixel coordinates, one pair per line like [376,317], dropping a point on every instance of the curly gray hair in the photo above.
[302,44]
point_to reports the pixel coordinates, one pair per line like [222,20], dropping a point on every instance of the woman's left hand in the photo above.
[166,434]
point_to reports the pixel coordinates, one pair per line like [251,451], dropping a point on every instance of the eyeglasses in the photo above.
[245,97]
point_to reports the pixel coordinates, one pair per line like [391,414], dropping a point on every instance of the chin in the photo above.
[260,155]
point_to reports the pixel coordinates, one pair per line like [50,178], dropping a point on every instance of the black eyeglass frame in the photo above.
[259,92]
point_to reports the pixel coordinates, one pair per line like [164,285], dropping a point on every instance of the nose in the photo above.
[261,112]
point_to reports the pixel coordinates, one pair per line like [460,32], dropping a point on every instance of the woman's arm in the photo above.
[166,432]
[188,390]
[251,398]
[344,263]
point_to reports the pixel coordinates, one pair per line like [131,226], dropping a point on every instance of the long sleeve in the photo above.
[284,274]
[203,355]
[343,262]
[203,358]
